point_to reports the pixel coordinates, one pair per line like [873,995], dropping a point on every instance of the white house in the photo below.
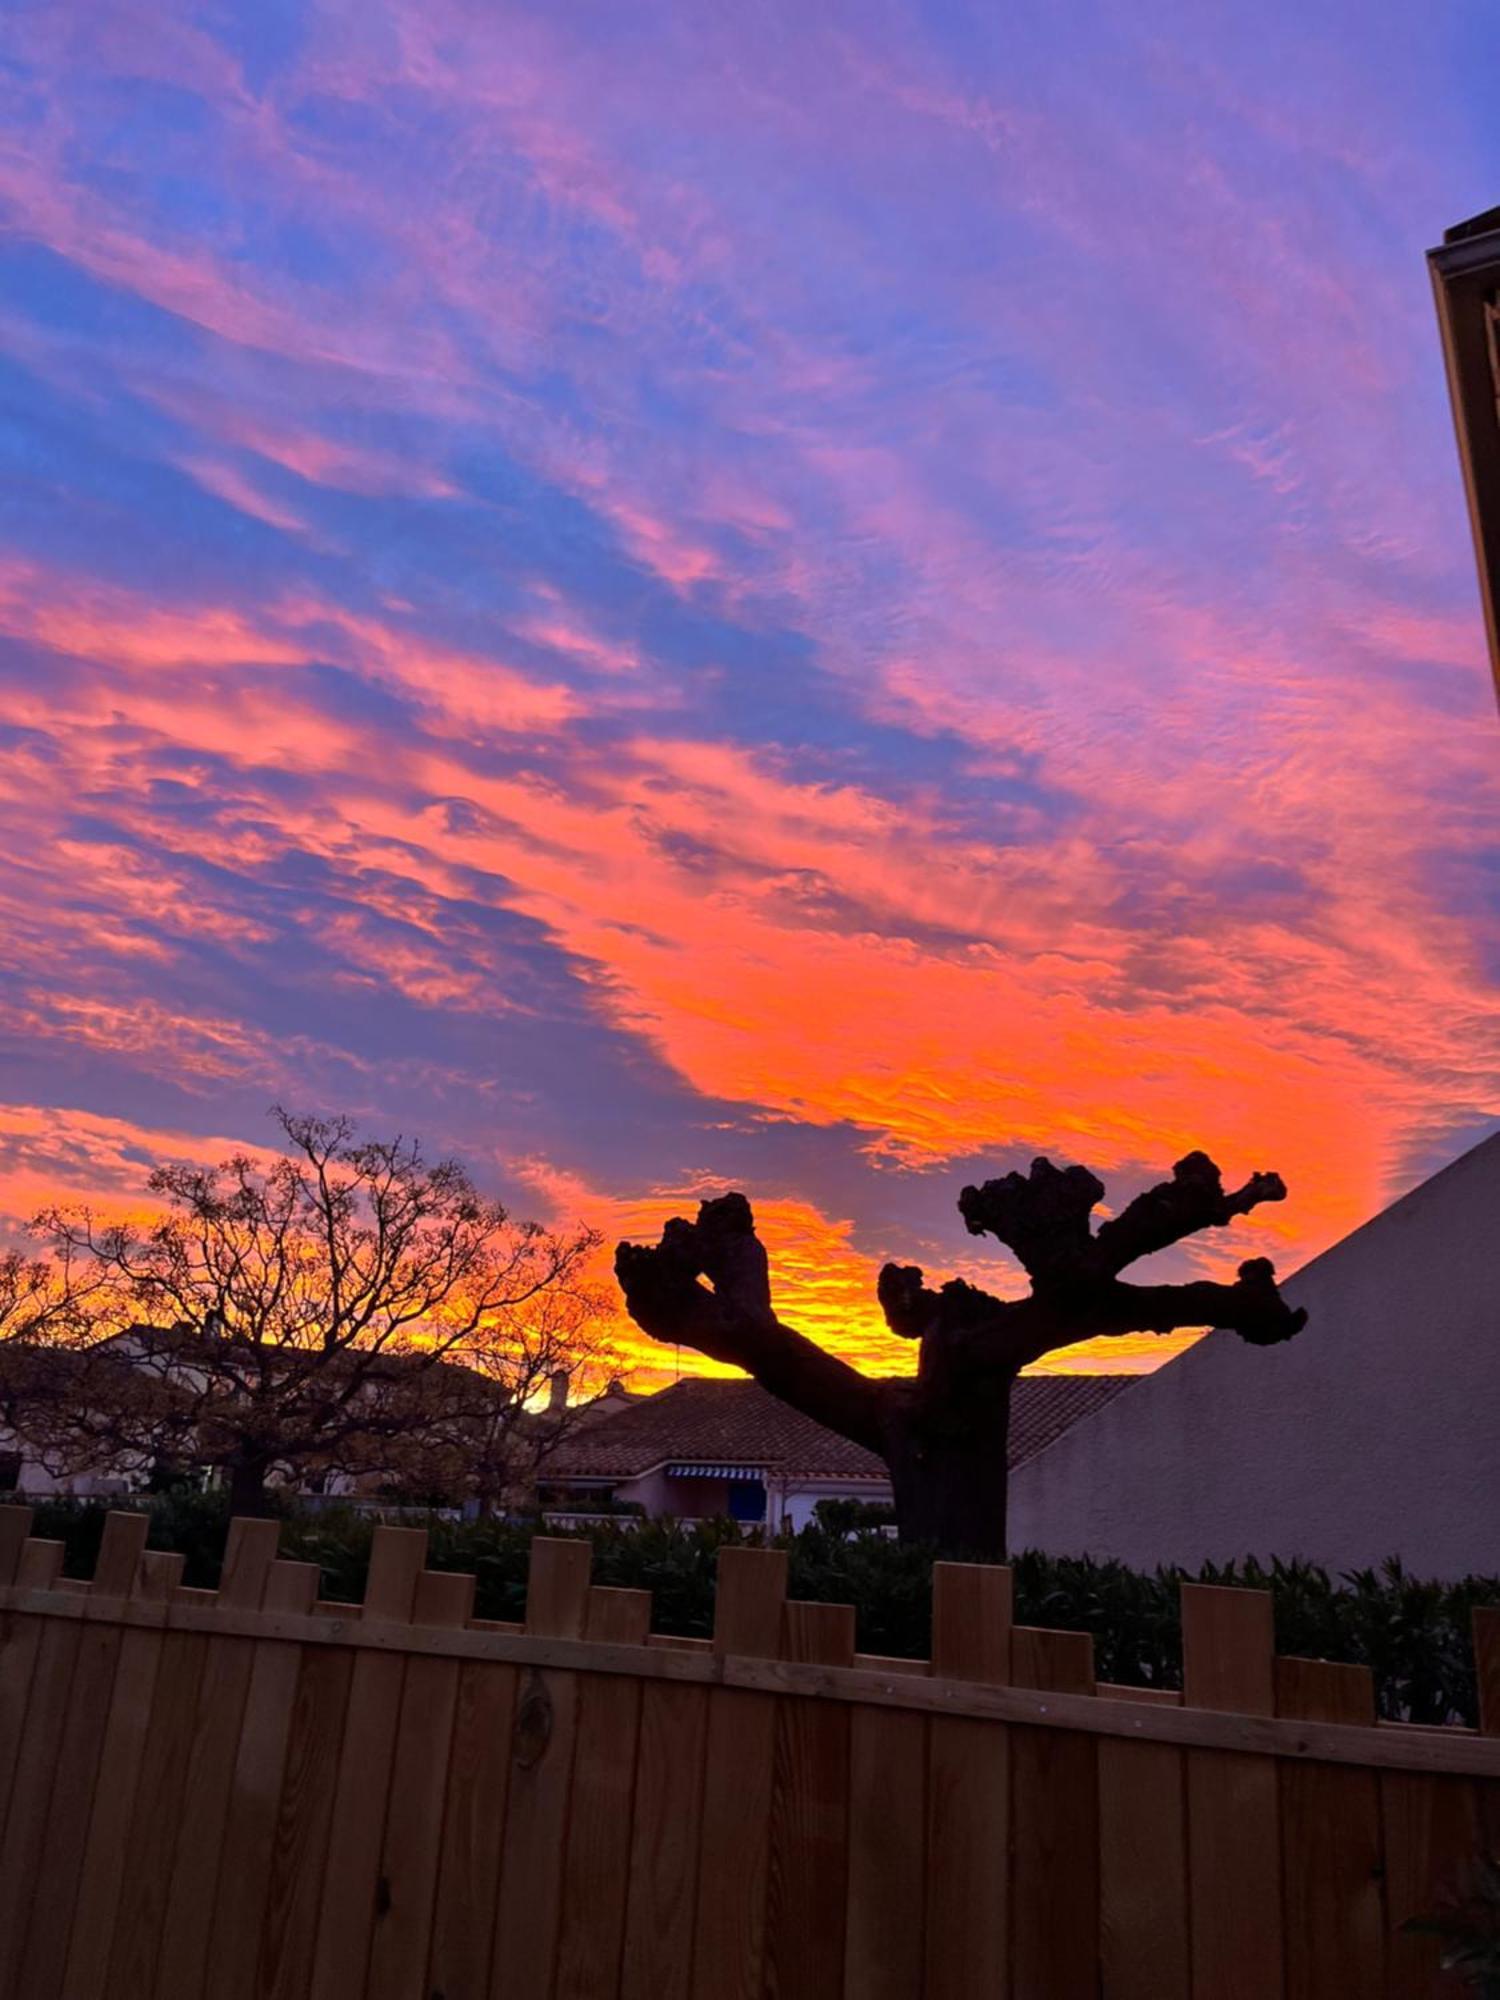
[709,1448]
[1374,1433]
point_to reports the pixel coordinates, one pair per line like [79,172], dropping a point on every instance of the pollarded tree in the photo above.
[943,1432]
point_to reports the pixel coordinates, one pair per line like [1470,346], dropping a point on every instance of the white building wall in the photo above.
[1375,1432]
[794,1503]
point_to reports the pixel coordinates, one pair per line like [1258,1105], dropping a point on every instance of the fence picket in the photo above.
[48,1921]
[122,1765]
[598,1859]
[808,1870]
[738,1775]
[1430,1831]
[238,1796]
[1143,1890]
[1234,1844]
[661,1898]
[968,1791]
[414,1817]
[1054,1807]
[36,1564]
[541,1777]
[1486,1639]
[218,1708]
[275,1801]
[352,1869]
[463,1919]
[885,1915]
[15,1527]
[1330,1842]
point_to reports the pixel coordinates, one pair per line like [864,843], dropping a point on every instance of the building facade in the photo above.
[1375,1433]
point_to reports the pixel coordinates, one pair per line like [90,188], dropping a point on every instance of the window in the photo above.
[747,1500]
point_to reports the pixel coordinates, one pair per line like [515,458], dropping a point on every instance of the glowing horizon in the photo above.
[820,606]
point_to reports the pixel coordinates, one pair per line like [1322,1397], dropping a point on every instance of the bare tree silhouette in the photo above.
[706,1285]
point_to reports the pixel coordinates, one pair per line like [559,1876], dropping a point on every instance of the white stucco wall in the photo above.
[1375,1432]
[793,1503]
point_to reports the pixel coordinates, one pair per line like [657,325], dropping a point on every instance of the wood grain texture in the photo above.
[160,1806]
[1332,1850]
[661,1897]
[122,1757]
[43,1727]
[466,1891]
[967,1937]
[597,1871]
[1054,1840]
[218,1708]
[352,1871]
[738,1779]
[54,1898]
[1440,1750]
[541,1776]
[565,1810]
[1431,1832]
[887,1901]
[407,1875]
[1234,1823]
[1143,1892]
[250,1916]
[808,1870]
[20,1642]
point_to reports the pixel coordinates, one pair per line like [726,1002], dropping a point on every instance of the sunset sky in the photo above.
[821,599]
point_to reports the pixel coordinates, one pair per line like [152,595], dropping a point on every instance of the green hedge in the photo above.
[1414,1635]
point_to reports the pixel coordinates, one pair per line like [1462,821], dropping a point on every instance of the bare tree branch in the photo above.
[1193,1199]
[734,1321]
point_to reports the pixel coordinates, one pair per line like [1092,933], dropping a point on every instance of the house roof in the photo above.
[743,1425]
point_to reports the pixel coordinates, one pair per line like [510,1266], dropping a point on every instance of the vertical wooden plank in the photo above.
[350,1877]
[738,1775]
[414,1818]
[192,1868]
[1431,1834]
[541,1776]
[661,1897]
[121,1547]
[36,1565]
[1331,1847]
[599,1825]
[15,1528]
[968,1791]
[123,1768]
[1143,1892]
[1234,1831]
[463,1920]
[887,1901]
[1486,1641]
[1054,1808]
[39,1732]
[808,1869]
[53,1898]
[40,1567]
[160,1804]
[257,1834]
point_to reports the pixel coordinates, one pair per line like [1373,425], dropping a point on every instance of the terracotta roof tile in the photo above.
[741,1423]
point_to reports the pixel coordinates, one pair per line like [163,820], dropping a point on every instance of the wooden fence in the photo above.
[250,1792]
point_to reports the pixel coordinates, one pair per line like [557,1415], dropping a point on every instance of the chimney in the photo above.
[558,1400]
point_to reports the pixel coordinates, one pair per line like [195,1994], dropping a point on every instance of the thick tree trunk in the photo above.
[247,1486]
[947,1456]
